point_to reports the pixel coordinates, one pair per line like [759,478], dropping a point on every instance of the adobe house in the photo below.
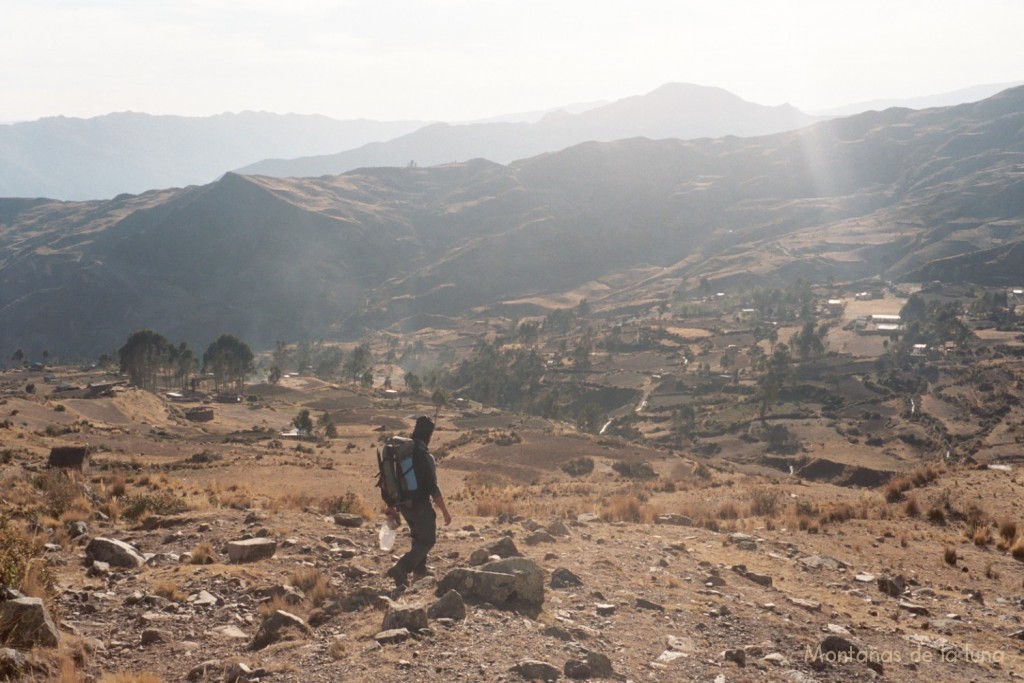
[69,457]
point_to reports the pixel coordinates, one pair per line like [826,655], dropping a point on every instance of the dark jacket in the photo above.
[425,467]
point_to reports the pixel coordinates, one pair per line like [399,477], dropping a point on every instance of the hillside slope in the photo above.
[880,194]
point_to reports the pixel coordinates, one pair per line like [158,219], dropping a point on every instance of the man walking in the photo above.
[416,509]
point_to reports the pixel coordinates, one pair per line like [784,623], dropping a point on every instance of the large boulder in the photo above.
[511,582]
[25,623]
[113,552]
[450,606]
[410,617]
[503,547]
[251,550]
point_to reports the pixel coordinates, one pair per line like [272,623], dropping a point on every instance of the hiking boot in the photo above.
[399,576]
[422,572]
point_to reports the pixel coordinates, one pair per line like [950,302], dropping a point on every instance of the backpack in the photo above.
[396,476]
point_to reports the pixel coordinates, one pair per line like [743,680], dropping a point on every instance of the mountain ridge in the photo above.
[129,152]
[676,110]
[882,194]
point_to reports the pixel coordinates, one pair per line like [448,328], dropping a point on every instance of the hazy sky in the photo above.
[466,59]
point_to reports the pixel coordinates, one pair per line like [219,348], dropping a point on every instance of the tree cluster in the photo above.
[152,362]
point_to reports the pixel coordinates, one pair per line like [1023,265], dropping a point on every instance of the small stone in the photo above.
[913,608]
[393,636]
[502,548]
[349,520]
[673,519]
[605,609]
[643,603]
[736,655]
[153,635]
[563,578]
[531,670]
[892,586]
[204,671]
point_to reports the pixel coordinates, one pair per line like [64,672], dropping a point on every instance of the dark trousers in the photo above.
[422,521]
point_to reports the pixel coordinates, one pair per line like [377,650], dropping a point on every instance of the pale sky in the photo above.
[459,60]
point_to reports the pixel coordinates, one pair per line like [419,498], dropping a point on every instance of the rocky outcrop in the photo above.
[504,547]
[25,623]
[251,550]
[511,582]
[113,552]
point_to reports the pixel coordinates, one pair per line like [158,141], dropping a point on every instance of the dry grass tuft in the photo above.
[116,486]
[276,603]
[305,578]
[337,649]
[1008,531]
[203,554]
[169,591]
[936,515]
[622,508]
[895,489]
[765,502]
[1017,549]
[351,503]
[131,678]
[949,556]
[912,509]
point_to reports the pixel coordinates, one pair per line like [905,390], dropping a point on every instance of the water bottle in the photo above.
[387,535]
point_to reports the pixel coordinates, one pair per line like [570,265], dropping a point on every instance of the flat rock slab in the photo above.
[393,636]
[251,550]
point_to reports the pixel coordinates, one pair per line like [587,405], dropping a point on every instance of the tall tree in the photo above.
[769,385]
[142,358]
[358,362]
[229,359]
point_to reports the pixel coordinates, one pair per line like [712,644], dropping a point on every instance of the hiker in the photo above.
[417,509]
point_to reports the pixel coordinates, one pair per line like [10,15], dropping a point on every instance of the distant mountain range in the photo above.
[101,157]
[679,111]
[898,194]
[949,99]
[128,153]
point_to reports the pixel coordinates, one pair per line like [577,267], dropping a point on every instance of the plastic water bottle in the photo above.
[387,535]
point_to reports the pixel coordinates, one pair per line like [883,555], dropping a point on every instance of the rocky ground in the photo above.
[718,574]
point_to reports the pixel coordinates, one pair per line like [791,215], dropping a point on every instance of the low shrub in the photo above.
[635,470]
[578,467]
[160,503]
